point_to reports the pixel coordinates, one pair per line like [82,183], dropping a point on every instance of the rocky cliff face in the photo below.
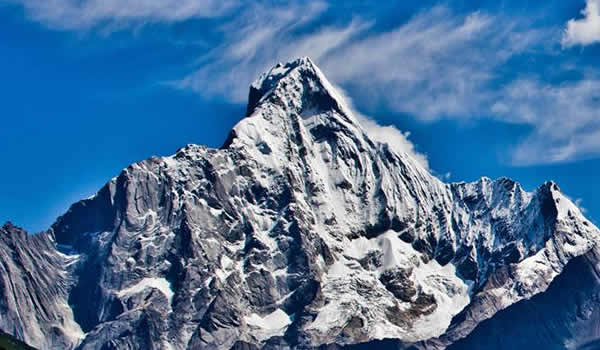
[34,285]
[301,231]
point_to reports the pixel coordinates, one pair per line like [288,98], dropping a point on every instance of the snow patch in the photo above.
[277,319]
[346,276]
[271,325]
[171,162]
[149,282]
[70,327]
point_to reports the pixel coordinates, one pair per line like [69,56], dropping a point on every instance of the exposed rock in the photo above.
[398,281]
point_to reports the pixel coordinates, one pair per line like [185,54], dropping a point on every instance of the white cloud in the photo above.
[387,134]
[578,202]
[88,14]
[584,31]
[394,138]
[437,65]
[564,119]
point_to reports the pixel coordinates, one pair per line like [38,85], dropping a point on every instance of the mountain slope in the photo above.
[564,317]
[300,231]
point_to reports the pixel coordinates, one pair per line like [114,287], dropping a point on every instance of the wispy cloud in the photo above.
[578,203]
[564,119]
[260,37]
[437,64]
[89,14]
[586,30]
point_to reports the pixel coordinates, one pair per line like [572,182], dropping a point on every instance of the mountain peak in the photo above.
[298,81]
[269,79]
[289,95]
[11,229]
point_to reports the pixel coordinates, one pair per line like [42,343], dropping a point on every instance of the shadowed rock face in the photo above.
[300,232]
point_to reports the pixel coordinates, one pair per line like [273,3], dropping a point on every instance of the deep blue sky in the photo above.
[485,88]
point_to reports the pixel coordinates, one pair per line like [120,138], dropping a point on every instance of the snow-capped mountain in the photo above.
[301,231]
